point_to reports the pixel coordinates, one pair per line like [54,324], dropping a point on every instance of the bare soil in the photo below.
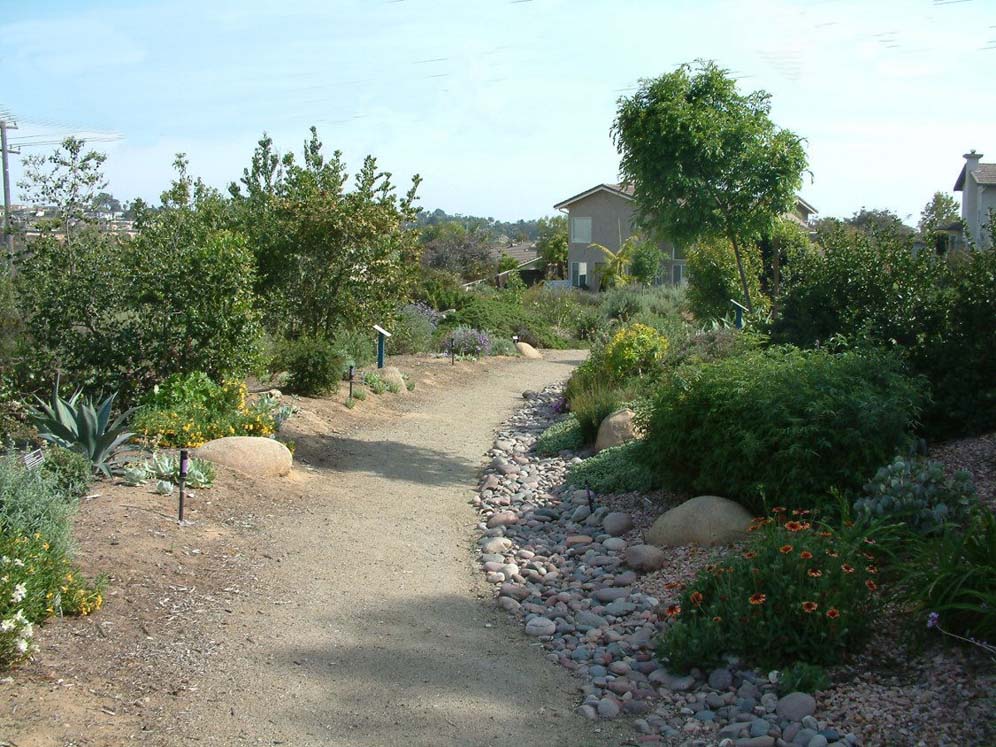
[336,606]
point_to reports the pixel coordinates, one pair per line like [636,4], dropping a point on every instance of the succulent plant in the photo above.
[164,487]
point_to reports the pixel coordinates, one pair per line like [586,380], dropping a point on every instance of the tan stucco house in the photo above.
[977,184]
[604,215]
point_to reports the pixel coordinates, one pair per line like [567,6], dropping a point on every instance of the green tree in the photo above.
[68,179]
[645,264]
[942,211]
[706,160]
[714,277]
[455,247]
[878,221]
[330,259]
[552,245]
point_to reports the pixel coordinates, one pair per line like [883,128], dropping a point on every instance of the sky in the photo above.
[504,107]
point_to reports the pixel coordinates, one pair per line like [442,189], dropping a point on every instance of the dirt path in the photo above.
[379,630]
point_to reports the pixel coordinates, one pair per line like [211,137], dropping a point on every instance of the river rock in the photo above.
[617,523]
[796,706]
[645,557]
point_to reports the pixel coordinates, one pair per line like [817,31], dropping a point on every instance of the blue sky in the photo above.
[503,107]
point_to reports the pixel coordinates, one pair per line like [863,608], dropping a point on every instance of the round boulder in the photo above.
[644,557]
[527,351]
[616,429]
[251,455]
[392,376]
[704,520]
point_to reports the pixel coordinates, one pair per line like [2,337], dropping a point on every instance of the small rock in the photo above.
[720,679]
[645,557]
[608,708]
[617,523]
[541,626]
[796,706]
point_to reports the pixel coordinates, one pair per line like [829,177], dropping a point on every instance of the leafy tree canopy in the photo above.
[552,244]
[706,160]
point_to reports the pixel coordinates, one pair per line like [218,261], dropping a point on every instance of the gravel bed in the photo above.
[571,566]
[977,456]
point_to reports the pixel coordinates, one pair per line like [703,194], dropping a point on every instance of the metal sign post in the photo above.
[740,313]
[352,375]
[184,464]
[382,335]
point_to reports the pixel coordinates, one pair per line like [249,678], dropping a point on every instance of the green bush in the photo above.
[710,345]
[564,435]
[188,410]
[592,399]
[412,331]
[782,425]
[356,347]
[440,289]
[633,351]
[800,591]
[71,471]
[917,493]
[313,365]
[503,346]
[954,576]
[500,315]
[32,501]
[618,469]
[374,383]
[714,279]
[937,310]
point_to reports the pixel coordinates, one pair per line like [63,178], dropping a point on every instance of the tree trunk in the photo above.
[743,274]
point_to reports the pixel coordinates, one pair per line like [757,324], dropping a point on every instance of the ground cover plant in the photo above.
[564,435]
[467,341]
[618,469]
[800,590]
[780,426]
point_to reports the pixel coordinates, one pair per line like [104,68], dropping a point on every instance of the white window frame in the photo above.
[580,230]
[579,270]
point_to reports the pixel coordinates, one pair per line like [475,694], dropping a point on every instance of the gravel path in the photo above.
[375,628]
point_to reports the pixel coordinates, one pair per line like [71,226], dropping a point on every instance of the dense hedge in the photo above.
[783,426]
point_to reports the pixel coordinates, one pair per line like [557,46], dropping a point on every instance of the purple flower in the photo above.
[932,619]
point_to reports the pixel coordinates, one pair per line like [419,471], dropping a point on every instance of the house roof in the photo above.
[522,252]
[985,173]
[619,190]
[626,192]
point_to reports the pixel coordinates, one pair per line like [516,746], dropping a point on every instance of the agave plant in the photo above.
[80,424]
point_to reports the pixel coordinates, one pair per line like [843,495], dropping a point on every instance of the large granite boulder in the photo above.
[705,520]
[249,454]
[527,351]
[616,429]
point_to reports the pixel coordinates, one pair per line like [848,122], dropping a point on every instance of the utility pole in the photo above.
[8,237]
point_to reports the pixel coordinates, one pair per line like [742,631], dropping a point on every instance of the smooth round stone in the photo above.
[608,708]
[597,670]
[610,594]
[720,679]
[759,727]
[818,741]
[709,716]
[495,578]
[541,626]
[615,544]
[795,706]
[619,667]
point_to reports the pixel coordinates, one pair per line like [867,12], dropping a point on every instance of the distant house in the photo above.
[977,184]
[605,215]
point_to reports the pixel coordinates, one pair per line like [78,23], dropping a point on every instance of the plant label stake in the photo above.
[382,335]
[591,500]
[452,354]
[184,464]
[352,374]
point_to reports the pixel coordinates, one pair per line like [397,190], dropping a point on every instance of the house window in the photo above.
[580,230]
[579,274]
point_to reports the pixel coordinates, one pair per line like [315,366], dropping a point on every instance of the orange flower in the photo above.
[872,570]
[750,555]
[825,534]
[778,510]
[696,598]
[717,619]
[868,556]
[758,598]
[674,585]
[793,526]
[806,555]
[673,611]
[848,524]
[785,549]
[847,568]
[809,606]
[833,613]
[872,586]
[814,572]
[869,541]
[832,553]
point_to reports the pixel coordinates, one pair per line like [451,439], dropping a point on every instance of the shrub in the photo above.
[356,347]
[564,435]
[188,410]
[800,592]
[714,279]
[467,341]
[954,576]
[70,470]
[313,365]
[31,502]
[503,346]
[441,290]
[37,581]
[781,425]
[374,383]
[917,492]
[633,351]
[617,469]
[937,310]
[413,328]
[709,345]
